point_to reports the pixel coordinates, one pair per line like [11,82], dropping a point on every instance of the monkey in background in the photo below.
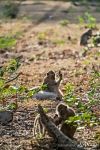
[63,112]
[85,37]
[52,84]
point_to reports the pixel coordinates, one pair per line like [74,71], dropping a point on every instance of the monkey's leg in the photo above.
[68,129]
[43,95]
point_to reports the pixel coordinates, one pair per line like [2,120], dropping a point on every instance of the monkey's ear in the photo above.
[59,72]
[50,72]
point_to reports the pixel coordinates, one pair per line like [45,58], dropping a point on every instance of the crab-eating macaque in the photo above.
[63,112]
[85,37]
[52,84]
[52,90]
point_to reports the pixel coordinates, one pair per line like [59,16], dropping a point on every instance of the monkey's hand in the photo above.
[57,120]
[60,75]
[60,78]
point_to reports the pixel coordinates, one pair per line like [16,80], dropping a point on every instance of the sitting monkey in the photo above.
[52,84]
[63,112]
[85,37]
[52,90]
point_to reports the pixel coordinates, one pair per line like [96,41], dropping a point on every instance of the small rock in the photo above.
[6,117]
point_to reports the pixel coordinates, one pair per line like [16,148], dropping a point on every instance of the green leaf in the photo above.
[43,87]
[11,106]
[13,65]
[7,42]
[21,89]
[86,116]
[73,119]
[31,93]
[2,82]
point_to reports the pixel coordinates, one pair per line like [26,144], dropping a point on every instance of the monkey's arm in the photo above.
[46,82]
[57,120]
[49,82]
[60,78]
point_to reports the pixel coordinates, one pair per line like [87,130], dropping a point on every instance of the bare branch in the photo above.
[10,80]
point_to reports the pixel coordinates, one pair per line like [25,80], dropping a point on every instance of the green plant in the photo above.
[85,118]
[64,22]
[87,19]
[81,20]
[69,96]
[7,42]
[11,106]
[6,72]
[11,9]
[86,115]
[94,83]
[41,36]
[14,64]
[96,40]
[39,136]
[59,42]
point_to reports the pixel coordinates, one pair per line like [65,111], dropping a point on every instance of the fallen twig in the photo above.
[10,80]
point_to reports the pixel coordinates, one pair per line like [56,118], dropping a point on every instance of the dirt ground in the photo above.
[44,44]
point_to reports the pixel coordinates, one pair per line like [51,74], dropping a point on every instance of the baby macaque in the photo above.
[85,37]
[52,84]
[63,112]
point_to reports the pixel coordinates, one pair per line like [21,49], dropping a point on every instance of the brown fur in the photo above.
[63,112]
[52,84]
[69,129]
[85,37]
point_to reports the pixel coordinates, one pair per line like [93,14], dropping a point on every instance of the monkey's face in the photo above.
[51,75]
[62,109]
